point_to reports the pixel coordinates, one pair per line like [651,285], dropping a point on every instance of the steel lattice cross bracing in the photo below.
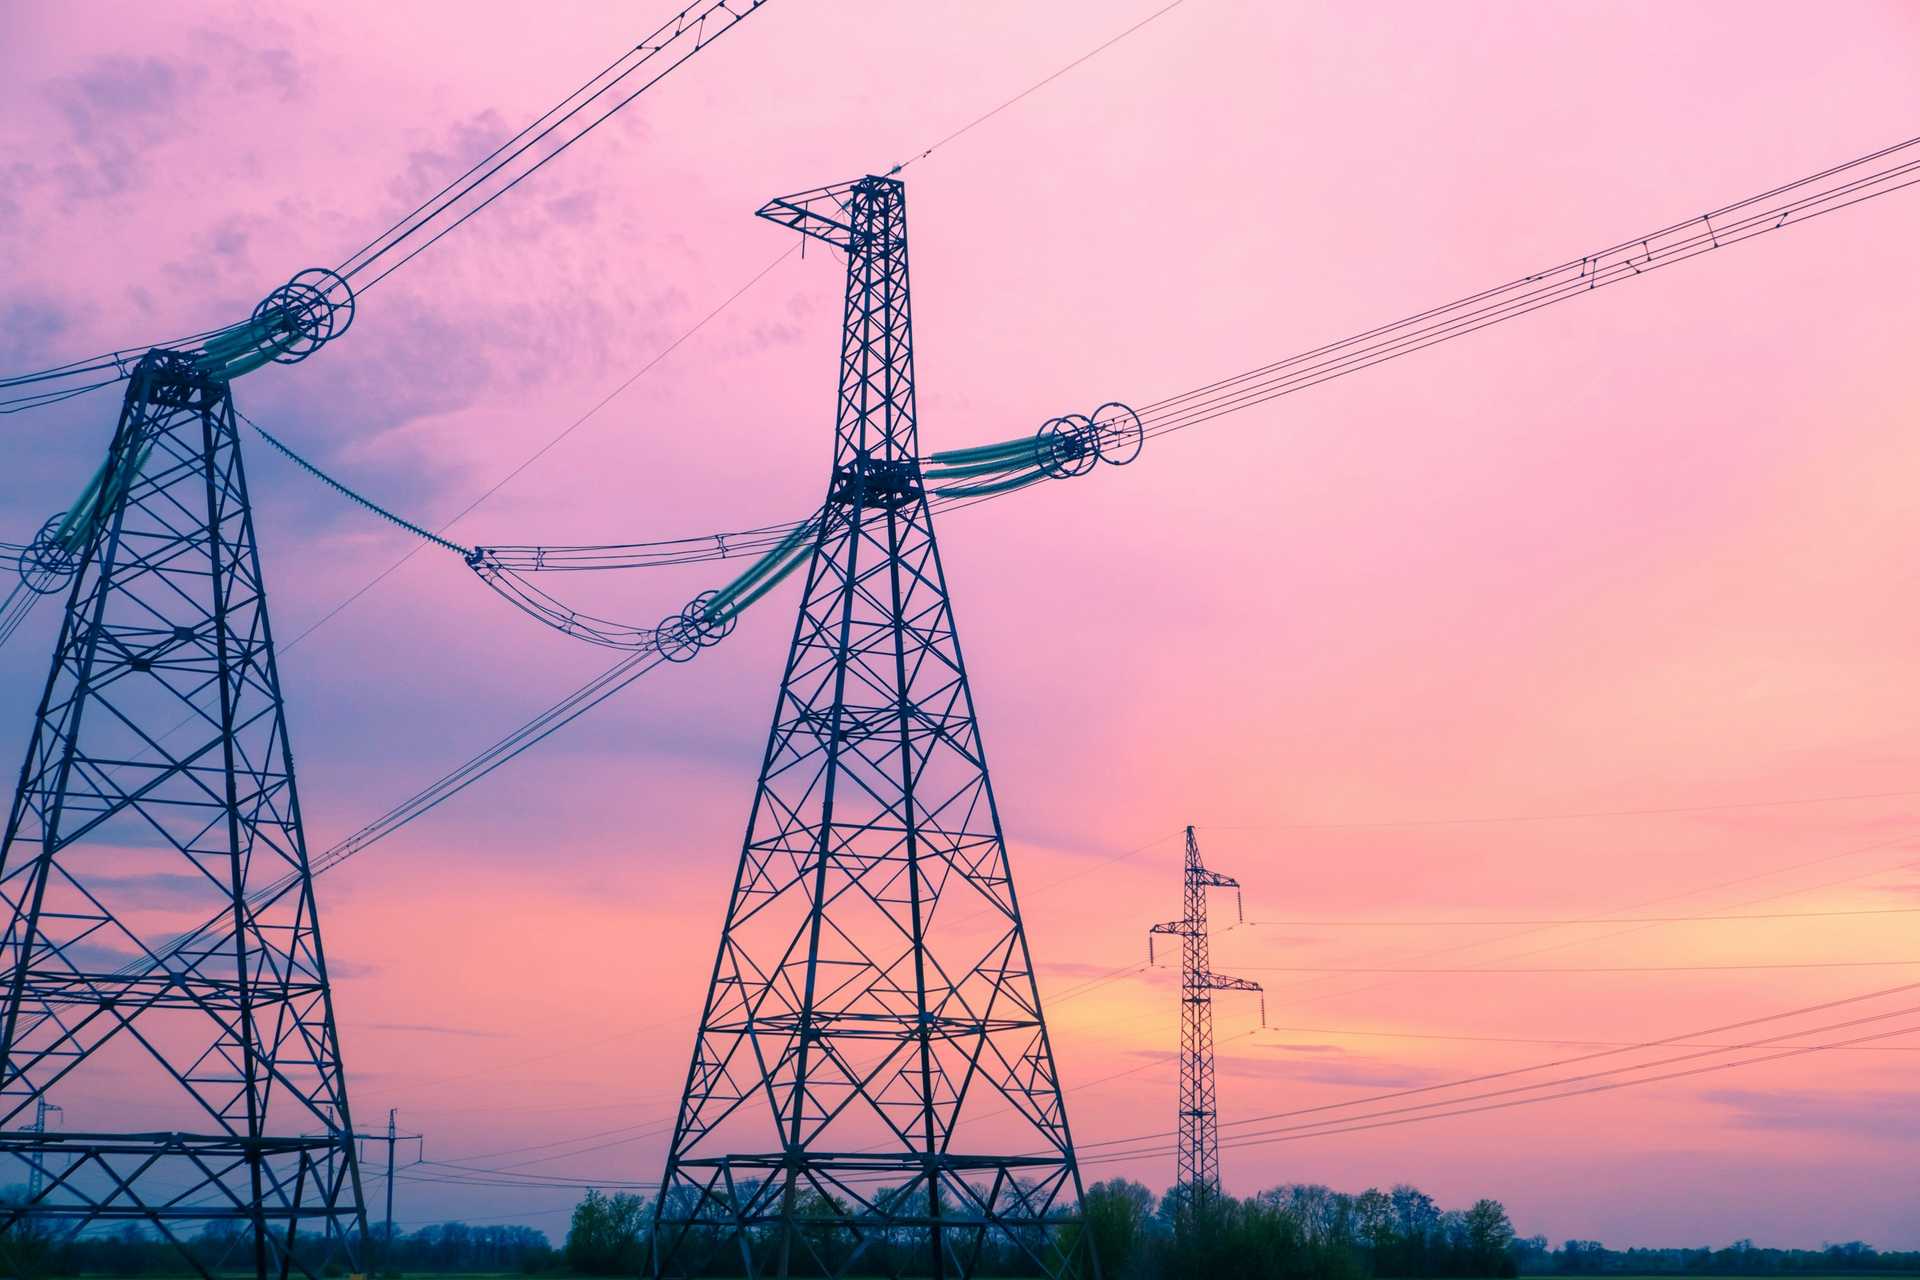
[1198,1150]
[161,943]
[872,1088]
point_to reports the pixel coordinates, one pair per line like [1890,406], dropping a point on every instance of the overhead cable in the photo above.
[1868,177]
[317,304]
[1552,1064]
[1841,186]
[1605,1083]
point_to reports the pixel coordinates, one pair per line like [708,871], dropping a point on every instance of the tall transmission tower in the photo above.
[872,1086]
[1198,1172]
[158,793]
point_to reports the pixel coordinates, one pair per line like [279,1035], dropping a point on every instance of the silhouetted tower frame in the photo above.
[157,790]
[873,1010]
[1197,1174]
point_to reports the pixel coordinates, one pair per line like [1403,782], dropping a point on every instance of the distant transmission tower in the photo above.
[161,947]
[872,1085]
[1198,1174]
[37,1175]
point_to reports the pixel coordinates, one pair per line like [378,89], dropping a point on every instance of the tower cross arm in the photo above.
[1179,928]
[1221,982]
[821,213]
[1213,879]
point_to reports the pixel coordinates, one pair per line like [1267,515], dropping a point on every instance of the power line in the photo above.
[1509,1073]
[1036,86]
[435,537]
[438,1176]
[654,1131]
[603,83]
[632,378]
[1558,921]
[1868,177]
[1343,1125]
[448,785]
[1610,1049]
[15,607]
[1687,893]
[693,18]
[549,136]
[565,711]
[1565,1043]
[542,1146]
[1741,220]
[1362,1124]
[1080,989]
[498,1217]
[350,494]
[1085,987]
[1249,1139]
[1644,968]
[1649,259]
[1569,816]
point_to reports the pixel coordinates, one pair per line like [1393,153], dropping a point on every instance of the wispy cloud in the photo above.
[114,110]
[1883,1115]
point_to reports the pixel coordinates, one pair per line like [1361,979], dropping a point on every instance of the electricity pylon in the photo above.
[1198,1173]
[37,1175]
[158,791]
[872,1088]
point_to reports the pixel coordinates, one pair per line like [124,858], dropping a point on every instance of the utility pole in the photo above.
[380,1260]
[393,1137]
[1198,1172]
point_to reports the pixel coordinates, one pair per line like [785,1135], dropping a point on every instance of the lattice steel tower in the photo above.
[1198,1174]
[872,1053]
[161,955]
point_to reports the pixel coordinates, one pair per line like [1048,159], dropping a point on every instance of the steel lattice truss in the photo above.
[872,1052]
[1198,1175]
[117,839]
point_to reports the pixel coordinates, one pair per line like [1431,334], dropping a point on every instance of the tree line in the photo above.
[1294,1232]
[33,1248]
[1287,1233]
[1291,1232]
[1741,1258]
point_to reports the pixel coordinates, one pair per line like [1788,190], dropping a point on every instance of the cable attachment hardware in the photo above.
[701,624]
[305,314]
[291,323]
[48,563]
[1070,444]
[1117,433]
[1066,446]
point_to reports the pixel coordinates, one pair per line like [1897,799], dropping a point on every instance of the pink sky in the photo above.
[1651,549]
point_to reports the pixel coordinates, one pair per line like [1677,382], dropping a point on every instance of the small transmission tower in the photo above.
[1198,1175]
[161,947]
[37,1176]
[872,1089]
